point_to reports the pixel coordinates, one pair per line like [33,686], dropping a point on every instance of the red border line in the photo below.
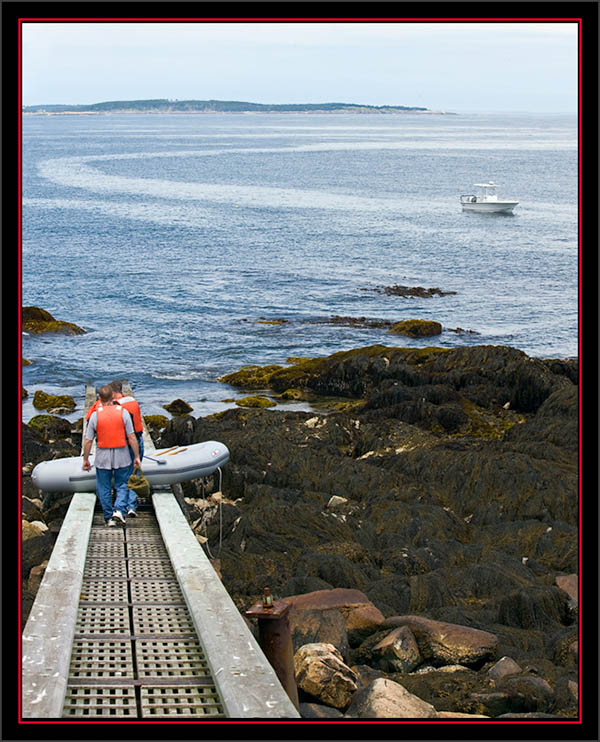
[20,343]
[580,243]
[299,20]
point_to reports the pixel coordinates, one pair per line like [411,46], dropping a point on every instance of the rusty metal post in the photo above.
[275,639]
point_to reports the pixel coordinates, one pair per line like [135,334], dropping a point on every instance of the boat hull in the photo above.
[490,207]
[165,467]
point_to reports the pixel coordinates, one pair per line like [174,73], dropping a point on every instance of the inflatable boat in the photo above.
[163,467]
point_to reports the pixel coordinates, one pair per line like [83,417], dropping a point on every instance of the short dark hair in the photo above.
[116,386]
[105,393]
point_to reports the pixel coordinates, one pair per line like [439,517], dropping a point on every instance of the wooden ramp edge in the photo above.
[247,684]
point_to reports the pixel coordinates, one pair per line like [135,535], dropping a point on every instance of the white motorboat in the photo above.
[486,200]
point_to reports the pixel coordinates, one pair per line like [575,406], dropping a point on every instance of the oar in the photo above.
[162,453]
[161,463]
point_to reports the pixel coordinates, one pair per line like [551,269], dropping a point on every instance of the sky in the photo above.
[451,66]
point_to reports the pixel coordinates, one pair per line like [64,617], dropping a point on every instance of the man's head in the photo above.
[105,393]
[116,386]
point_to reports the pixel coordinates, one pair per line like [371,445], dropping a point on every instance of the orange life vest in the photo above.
[110,427]
[131,405]
[93,408]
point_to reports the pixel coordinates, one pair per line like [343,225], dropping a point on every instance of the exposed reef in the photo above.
[410,291]
[38,321]
[447,493]
[425,531]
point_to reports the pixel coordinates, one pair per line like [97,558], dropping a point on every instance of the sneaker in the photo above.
[131,513]
[119,516]
[111,522]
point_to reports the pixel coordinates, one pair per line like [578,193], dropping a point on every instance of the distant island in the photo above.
[164,105]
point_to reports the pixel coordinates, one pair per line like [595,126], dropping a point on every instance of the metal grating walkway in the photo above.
[135,651]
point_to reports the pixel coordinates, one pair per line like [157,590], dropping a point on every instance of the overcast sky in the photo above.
[442,66]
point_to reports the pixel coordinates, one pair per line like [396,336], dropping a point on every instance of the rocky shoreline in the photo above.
[424,526]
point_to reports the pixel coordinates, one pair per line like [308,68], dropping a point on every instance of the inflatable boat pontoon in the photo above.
[165,466]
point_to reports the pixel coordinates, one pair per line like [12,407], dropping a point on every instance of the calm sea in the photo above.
[168,237]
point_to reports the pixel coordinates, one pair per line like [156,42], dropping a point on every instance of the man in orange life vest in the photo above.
[132,406]
[113,428]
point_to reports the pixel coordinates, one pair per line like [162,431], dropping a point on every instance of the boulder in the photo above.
[528,693]
[447,643]
[251,377]
[444,669]
[178,407]
[312,626]
[255,401]
[398,651]
[366,675]
[32,530]
[385,699]
[322,674]
[317,711]
[492,704]
[416,328]
[50,427]
[36,545]
[516,694]
[540,606]
[37,321]
[504,667]
[31,509]
[335,501]
[360,615]
[570,584]
[44,401]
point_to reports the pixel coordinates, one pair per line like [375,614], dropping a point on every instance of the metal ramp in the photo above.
[133,623]
[135,650]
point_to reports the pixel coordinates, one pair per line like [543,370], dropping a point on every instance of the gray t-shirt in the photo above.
[110,458]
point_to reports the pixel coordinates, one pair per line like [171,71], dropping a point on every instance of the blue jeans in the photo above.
[104,479]
[131,494]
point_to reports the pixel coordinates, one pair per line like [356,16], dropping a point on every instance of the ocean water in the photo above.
[168,237]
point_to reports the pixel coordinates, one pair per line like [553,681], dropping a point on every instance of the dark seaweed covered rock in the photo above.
[37,321]
[410,291]
[416,328]
[44,401]
[459,473]
[51,427]
[178,407]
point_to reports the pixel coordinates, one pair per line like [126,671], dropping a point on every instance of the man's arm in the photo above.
[87,447]
[90,433]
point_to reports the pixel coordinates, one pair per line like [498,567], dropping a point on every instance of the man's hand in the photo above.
[87,447]
[137,464]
